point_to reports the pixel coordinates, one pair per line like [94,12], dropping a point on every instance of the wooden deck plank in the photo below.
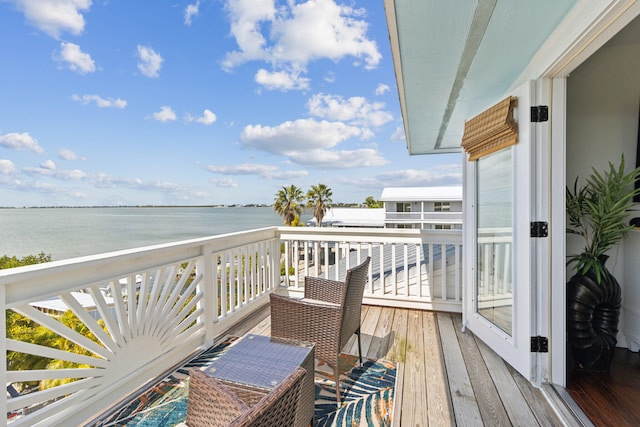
[463,398]
[513,400]
[536,400]
[396,419]
[437,387]
[397,351]
[368,328]
[370,316]
[415,410]
[383,335]
[488,399]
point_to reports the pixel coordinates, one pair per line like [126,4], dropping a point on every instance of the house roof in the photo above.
[421,194]
[454,59]
[56,304]
[352,217]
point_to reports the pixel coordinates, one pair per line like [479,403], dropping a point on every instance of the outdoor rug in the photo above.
[367,393]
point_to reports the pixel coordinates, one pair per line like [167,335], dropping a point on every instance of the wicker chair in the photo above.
[212,403]
[328,315]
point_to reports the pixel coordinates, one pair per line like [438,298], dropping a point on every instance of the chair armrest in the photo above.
[321,289]
[310,321]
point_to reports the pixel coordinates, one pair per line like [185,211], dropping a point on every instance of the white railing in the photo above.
[151,308]
[446,217]
[495,269]
[409,267]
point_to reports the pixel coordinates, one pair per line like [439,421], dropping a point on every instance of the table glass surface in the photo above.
[259,361]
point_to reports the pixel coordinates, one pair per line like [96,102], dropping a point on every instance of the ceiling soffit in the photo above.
[458,58]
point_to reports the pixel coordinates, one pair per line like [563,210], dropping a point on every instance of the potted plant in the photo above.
[598,213]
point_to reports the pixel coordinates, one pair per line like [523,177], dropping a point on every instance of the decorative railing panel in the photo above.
[86,332]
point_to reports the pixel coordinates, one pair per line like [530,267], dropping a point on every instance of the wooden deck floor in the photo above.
[446,377]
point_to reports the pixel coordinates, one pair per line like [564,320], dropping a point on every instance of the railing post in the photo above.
[209,291]
[274,262]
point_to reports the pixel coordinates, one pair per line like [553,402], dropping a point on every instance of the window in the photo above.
[403,207]
[442,207]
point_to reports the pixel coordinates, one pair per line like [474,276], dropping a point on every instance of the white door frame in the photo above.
[557,256]
[589,27]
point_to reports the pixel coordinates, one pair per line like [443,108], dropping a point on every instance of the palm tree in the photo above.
[372,203]
[287,203]
[319,199]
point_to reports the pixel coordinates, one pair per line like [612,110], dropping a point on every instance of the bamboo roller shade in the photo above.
[492,130]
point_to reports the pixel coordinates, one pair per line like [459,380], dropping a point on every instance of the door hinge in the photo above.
[539,113]
[539,345]
[539,229]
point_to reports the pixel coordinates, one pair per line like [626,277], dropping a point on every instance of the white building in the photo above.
[351,217]
[422,207]
[55,306]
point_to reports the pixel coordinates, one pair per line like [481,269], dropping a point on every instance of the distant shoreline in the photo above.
[137,206]
[335,205]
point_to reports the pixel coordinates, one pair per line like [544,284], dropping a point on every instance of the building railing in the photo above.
[424,217]
[154,307]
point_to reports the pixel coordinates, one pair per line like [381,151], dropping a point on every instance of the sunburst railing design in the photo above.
[82,347]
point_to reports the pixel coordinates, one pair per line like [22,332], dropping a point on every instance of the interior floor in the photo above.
[612,398]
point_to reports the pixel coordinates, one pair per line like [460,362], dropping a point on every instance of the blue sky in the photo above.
[148,102]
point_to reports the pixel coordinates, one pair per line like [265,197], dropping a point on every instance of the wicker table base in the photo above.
[262,362]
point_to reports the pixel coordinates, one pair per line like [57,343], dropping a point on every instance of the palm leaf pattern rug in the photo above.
[367,395]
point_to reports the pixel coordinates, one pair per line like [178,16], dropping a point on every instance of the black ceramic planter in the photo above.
[593,311]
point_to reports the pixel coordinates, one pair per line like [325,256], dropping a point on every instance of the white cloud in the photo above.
[208,117]
[55,16]
[265,171]
[288,175]
[7,167]
[67,154]
[165,114]
[21,141]
[149,62]
[294,34]
[382,88]
[443,175]
[398,135]
[309,142]
[225,183]
[48,164]
[100,101]
[281,80]
[355,110]
[330,77]
[243,169]
[338,159]
[48,168]
[297,135]
[76,60]
[190,11]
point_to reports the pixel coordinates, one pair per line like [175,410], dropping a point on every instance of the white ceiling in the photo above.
[455,58]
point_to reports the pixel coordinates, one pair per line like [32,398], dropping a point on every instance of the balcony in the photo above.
[191,293]
[424,218]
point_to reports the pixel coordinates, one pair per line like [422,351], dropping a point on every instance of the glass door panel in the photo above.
[494,283]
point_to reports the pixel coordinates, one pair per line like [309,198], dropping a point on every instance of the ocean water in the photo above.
[72,232]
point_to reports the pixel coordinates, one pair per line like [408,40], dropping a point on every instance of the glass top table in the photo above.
[264,362]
